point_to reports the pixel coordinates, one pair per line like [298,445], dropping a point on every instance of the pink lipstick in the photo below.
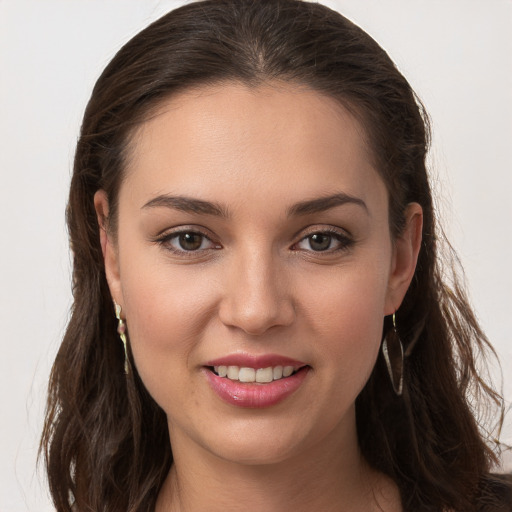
[255,381]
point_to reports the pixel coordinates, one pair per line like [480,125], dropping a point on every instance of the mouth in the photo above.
[255,382]
[247,374]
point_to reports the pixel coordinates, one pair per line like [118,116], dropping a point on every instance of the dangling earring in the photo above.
[121,329]
[393,353]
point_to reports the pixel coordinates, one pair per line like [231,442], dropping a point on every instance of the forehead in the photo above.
[276,139]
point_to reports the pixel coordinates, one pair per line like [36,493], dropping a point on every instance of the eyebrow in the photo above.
[198,206]
[188,205]
[322,204]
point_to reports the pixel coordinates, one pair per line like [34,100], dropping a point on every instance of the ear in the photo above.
[405,255]
[108,247]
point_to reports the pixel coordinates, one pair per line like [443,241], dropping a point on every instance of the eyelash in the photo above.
[165,241]
[344,241]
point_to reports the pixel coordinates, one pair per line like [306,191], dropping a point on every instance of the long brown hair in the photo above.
[105,440]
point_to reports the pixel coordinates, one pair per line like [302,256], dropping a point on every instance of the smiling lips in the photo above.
[260,375]
[255,382]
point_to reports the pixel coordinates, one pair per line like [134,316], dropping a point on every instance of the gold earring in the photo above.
[393,352]
[121,330]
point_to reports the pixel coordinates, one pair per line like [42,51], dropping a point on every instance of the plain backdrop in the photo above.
[456,54]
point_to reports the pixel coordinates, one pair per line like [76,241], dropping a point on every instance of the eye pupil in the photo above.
[320,242]
[190,241]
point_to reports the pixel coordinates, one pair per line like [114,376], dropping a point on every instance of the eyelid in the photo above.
[343,236]
[318,228]
[184,228]
[164,237]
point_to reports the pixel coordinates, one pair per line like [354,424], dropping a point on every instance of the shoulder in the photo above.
[496,493]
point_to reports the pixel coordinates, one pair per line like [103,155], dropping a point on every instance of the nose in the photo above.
[257,294]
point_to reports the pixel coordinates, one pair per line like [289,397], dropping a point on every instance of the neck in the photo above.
[330,476]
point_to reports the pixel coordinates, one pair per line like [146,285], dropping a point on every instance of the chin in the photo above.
[270,440]
[254,452]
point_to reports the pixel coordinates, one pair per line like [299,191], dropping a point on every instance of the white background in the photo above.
[456,54]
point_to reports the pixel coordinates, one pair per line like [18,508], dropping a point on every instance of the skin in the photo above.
[258,284]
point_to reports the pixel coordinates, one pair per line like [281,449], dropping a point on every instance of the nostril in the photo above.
[256,319]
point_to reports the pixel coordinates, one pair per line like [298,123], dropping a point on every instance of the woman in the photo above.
[260,319]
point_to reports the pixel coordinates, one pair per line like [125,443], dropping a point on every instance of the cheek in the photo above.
[167,313]
[346,319]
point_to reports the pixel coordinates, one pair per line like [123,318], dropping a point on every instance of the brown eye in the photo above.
[190,241]
[187,242]
[320,241]
[325,241]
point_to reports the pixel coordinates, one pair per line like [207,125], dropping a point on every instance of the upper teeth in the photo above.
[262,375]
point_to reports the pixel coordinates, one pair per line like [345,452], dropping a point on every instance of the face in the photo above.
[253,239]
